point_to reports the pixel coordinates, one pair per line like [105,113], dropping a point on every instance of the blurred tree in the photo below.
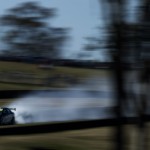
[93,43]
[29,33]
[96,43]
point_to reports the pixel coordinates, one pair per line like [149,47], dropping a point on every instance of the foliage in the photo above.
[29,31]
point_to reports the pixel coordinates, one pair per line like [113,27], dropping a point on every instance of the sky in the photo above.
[82,16]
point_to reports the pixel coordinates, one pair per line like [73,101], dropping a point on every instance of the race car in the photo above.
[7,117]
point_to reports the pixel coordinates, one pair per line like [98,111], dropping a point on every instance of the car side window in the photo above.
[4,111]
[8,111]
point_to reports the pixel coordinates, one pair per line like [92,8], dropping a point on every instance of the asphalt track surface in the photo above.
[61,105]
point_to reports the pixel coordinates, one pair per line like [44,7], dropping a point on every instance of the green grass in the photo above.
[11,86]
[79,72]
[92,139]
[88,139]
[41,74]
[5,101]
[32,68]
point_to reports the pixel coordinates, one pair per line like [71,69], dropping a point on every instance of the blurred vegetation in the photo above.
[27,31]
[87,139]
[19,76]
[98,138]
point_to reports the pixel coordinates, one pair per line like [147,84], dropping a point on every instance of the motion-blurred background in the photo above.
[75,65]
